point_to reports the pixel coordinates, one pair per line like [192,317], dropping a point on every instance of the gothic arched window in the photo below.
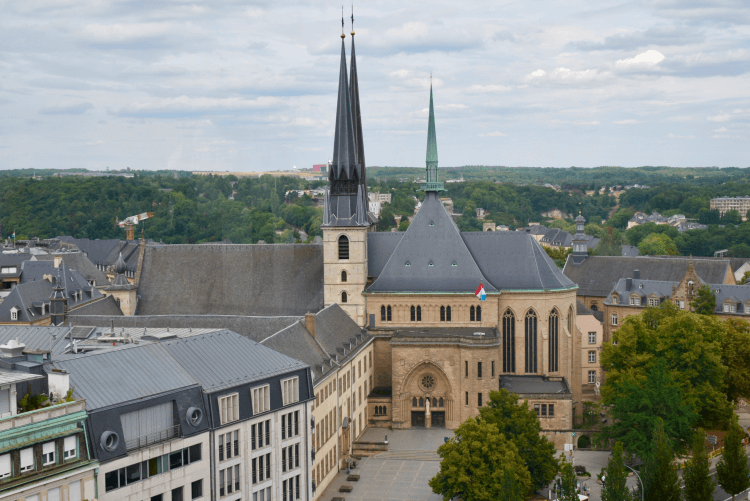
[509,342]
[530,338]
[440,402]
[414,402]
[343,247]
[472,314]
[442,313]
[343,276]
[344,297]
[448,314]
[434,402]
[421,402]
[388,311]
[382,313]
[479,313]
[413,314]
[554,341]
[419,313]
[570,321]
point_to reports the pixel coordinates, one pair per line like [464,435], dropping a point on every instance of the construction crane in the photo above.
[129,223]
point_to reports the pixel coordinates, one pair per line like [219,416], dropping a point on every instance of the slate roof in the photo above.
[597,275]
[739,294]
[380,246]
[296,341]
[630,251]
[533,384]
[28,297]
[105,252]
[626,287]
[123,375]
[222,279]
[13,259]
[104,306]
[82,264]
[254,328]
[513,260]
[582,310]
[335,330]
[224,359]
[431,246]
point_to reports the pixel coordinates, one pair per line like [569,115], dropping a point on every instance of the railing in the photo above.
[153,438]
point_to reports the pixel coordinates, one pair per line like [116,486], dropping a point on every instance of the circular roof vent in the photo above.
[109,441]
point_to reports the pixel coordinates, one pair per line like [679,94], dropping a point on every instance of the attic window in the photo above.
[454,263]
[640,286]
[14,314]
[432,224]
[430,264]
[407,263]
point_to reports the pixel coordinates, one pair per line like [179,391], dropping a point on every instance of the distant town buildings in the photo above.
[725,204]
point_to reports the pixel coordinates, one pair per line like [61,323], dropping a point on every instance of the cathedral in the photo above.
[439,348]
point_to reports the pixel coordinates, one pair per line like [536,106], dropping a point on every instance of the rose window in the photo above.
[428,382]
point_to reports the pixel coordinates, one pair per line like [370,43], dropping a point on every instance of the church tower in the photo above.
[58,301]
[345,219]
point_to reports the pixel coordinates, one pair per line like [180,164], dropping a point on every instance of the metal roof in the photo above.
[131,373]
[533,384]
[35,338]
[224,359]
[9,377]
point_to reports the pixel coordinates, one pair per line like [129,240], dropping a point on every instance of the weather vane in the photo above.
[342,22]
[352,18]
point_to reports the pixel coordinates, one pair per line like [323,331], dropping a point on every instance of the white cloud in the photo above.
[193,104]
[681,118]
[646,59]
[721,136]
[629,121]
[721,117]
[115,33]
[721,129]
[675,136]
[537,74]
[483,89]
[493,134]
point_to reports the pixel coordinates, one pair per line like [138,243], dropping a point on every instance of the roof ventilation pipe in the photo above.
[637,274]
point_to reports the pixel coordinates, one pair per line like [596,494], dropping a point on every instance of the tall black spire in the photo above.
[359,146]
[342,207]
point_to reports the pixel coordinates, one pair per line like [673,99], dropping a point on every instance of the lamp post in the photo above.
[639,478]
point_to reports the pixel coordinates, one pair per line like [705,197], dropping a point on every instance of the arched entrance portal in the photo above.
[426,397]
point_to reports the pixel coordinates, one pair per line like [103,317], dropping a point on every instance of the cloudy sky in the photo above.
[244,85]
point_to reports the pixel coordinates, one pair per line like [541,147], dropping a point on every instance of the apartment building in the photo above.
[725,204]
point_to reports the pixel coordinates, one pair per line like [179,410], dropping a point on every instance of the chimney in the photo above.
[310,323]
[637,274]
[59,383]
[628,284]
[58,259]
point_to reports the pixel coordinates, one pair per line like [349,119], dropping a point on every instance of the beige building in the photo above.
[725,204]
[591,332]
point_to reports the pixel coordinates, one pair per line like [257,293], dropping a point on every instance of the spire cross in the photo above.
[342,22]
[352,19]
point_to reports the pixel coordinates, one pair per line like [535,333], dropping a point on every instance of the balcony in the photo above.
[143,441]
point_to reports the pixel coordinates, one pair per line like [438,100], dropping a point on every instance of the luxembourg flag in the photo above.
[480,292]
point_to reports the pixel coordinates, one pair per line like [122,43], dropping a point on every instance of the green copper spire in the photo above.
[432,183]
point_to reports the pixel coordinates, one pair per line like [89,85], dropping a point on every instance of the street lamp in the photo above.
[639,478]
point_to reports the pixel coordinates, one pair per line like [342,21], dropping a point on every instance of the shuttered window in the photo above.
[229,407]
[69,448]
[48,453]
[5,465]
[290,390]
[5,401]
[27,459]
[261,399]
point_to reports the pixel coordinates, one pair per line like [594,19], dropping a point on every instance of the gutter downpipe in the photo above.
[211,448]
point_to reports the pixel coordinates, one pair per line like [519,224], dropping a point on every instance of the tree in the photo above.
[386,219]
[705,301]
[745,278]
[568,490]
[404,224]
[732,470]
[640,408]
[610,243]
[699,485]
[620,218]
[690,346]
[735,352]
[614,486]
[661,480]
[478,463]
[657,244]
[521,425]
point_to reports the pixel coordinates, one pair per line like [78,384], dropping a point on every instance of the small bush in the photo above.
[580,470]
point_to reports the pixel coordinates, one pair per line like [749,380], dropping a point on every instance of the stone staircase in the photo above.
[409,455]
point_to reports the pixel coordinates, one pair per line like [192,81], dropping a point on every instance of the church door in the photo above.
[417,418]
[438,419]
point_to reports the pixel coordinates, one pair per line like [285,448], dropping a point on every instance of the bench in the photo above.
[352,478]
[346,488]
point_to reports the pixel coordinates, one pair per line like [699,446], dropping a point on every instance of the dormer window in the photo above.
[432,224]
[14,313]
[430,264]
[407,264]
[614,299]
[640,286]
[454,263]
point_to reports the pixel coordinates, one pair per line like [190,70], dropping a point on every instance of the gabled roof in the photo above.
[438,259]
[659,288]
[104,306]
[597,275]
[733,293]
[35,338]
[297,342]
[380,246]
[231,279]
[81,263]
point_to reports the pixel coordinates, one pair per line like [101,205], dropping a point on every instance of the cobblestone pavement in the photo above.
[413,439]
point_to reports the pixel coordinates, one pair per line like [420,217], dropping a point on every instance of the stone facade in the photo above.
[345,279]
[591,332]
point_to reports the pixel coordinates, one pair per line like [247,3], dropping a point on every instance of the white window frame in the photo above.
[614,318]
[614,299]
[13,313]
[592,334]
[261,396]
[592,377]
[682,304]
[726,308]
[290,390]
[48,453]
[632,301]
[68,451]
[592,357]
[229,408]
[653,302]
